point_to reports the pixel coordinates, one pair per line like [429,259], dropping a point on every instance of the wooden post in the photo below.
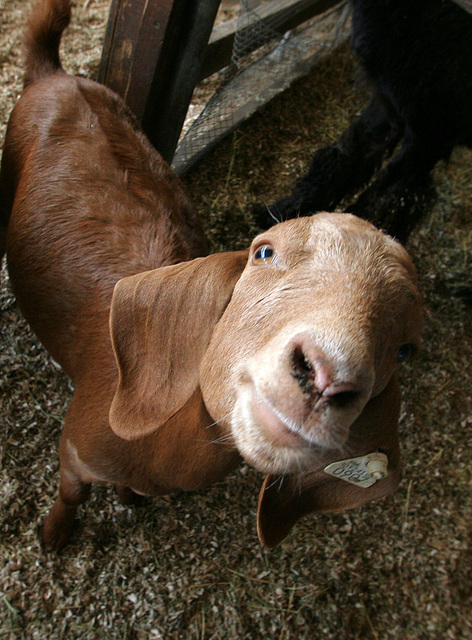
[153,56]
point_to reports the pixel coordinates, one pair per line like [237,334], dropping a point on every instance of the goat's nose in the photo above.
[317,377]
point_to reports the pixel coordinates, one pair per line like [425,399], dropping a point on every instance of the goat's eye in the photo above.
[265,254]
[405,351]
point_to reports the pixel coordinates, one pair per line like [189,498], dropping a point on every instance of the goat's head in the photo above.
[318,321]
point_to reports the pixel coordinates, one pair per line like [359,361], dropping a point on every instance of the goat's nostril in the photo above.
[342,399]
[302,370]
[312,370]
[341,394]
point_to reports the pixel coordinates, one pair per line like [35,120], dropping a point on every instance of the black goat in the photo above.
[418,56]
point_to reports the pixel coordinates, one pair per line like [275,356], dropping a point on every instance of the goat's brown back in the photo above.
[135,215]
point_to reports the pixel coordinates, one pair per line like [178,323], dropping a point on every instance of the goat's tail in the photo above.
[43,34]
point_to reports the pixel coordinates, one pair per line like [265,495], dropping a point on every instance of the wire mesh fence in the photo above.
[264,62]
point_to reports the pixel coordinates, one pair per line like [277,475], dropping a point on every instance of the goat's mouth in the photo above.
[279,428]
[284,432]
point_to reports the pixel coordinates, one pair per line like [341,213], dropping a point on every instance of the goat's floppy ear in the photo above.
[284,500]
[161,322]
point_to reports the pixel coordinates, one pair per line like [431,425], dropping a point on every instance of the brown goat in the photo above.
[284,354]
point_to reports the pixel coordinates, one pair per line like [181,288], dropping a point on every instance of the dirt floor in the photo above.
[190,565]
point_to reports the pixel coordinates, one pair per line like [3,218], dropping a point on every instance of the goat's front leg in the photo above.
[73,491]
[60,521]
[342,167]
[402,191]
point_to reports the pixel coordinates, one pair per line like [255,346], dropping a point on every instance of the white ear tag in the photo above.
[363,471]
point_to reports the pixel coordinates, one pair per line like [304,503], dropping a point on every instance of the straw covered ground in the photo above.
[190,565]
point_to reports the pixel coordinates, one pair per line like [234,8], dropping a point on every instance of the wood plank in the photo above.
[134,40]
[282,15]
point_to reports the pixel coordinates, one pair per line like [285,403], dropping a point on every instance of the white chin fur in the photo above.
[259,447]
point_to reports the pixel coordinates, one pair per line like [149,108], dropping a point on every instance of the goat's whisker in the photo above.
[213,424]
[272,215]
[278,480]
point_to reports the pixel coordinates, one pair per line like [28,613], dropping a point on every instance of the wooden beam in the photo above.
[281,15]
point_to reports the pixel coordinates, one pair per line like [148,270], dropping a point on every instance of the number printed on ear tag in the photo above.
[363,471]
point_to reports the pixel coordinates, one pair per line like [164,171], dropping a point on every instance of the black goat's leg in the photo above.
[342,167]
[402,191]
